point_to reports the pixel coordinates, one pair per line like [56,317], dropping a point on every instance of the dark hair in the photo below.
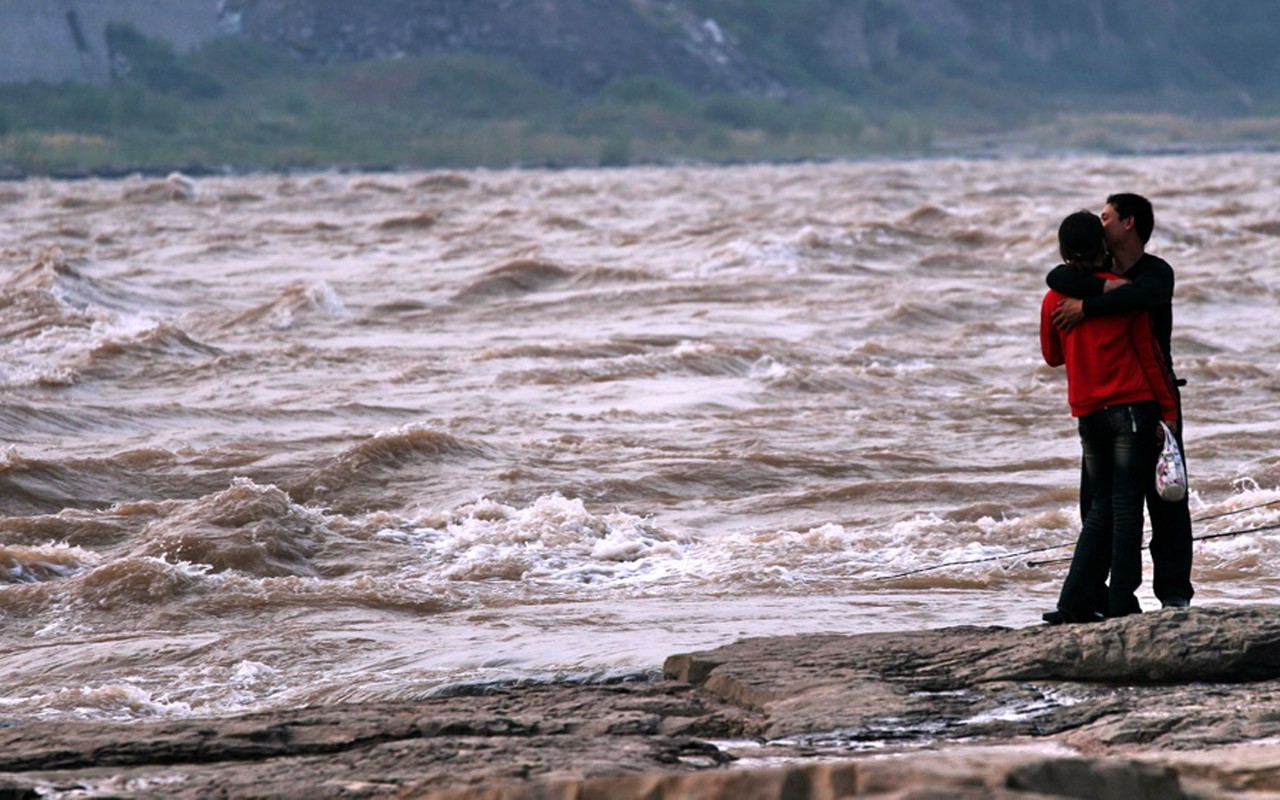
[1080,239]
[1136,206]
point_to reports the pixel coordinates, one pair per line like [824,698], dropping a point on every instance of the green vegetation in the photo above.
[148,63]
[242,105]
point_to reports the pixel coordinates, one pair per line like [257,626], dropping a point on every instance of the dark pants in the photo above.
[1171,536]
[1120,449]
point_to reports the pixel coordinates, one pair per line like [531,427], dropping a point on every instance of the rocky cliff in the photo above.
[578,45]
[65,40]
[1127,54]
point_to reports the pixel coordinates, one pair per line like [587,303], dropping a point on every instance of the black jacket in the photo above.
[1151,289]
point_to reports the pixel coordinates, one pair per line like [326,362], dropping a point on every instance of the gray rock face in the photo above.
[985,775]
[66,41]
[986,681]
[579,45]
[1178,703]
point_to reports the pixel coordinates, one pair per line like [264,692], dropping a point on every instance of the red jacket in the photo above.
[1110,360]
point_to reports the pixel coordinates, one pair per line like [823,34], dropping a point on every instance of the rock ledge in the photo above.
[1182,703]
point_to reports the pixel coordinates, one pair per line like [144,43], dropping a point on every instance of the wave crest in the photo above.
[515,279]
[133,582]
[370,460]
[150,342]
[20,564]
[301,298]
[250,529]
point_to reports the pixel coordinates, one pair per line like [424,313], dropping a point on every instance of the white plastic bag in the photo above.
[1171,472]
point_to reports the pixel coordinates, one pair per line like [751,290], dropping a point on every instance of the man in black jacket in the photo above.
[1127,222]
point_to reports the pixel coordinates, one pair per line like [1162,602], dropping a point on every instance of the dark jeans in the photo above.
[1171,536]
[1120,449]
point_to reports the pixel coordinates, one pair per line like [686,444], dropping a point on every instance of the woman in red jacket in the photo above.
[1119,391]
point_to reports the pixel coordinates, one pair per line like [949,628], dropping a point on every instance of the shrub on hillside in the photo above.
[153,63]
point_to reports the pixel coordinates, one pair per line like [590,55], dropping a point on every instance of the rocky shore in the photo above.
[1181,703]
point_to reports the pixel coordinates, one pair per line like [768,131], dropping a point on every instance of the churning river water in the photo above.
[281,440]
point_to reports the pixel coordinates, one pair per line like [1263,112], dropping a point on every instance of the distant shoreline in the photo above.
[977,150]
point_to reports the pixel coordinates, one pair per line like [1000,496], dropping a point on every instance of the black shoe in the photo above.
[1175,602]
[1060,617]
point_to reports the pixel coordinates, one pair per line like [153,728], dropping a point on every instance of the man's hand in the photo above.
[1068,314]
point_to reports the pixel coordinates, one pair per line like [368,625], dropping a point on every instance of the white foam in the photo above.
[554,539]
[108,701]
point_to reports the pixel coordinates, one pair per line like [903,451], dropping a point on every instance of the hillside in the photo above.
[283,84]
[1186,53]
[577,45]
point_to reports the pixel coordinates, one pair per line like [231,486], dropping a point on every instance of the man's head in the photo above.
[1080,240]
[1128,215]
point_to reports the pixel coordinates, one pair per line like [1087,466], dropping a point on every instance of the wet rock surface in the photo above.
[1000,683]
[1177,703]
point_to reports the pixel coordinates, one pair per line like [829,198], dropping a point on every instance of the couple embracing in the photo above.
[1108,318]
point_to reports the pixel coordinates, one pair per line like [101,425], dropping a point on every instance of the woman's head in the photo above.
[1081,241]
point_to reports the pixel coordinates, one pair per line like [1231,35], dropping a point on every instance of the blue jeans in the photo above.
[1170,533]
[1120,449]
